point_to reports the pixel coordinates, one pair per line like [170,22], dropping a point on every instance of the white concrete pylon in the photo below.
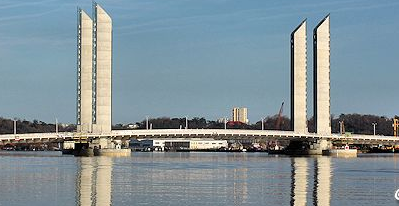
[102,70]
[298,79]
[85,71]
[321,77]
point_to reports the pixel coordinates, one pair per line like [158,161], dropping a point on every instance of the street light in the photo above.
[146,122]
[56,125]
[186,122]
[225,123]
[263,126]
[374,124]
[15,126]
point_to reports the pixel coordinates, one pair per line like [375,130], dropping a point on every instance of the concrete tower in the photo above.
[298,79]
[321,77]
[102,70]
[85,72]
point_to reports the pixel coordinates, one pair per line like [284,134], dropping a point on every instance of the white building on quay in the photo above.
[179,144]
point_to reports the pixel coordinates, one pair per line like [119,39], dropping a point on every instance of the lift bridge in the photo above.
[221,134]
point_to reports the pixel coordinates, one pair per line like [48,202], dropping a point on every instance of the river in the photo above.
[48,178]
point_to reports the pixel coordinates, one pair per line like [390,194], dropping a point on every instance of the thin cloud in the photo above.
[12,4]
[365,7]
[187,20]
[40,40]
[12,19]
[249,14]
[154,29]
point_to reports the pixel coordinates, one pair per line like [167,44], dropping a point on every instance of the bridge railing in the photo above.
[217,133]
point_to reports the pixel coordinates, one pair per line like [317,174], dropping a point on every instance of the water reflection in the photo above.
[216,179]
[240,188]
[187,179]
[322,181]
[94,181]
[299,181]
[300,169]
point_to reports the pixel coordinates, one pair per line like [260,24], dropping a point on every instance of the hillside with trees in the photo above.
[24,126]
[353,123]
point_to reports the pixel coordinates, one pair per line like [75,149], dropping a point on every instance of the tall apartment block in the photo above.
[94,71]
[240,115]
[298,79]
[321,77]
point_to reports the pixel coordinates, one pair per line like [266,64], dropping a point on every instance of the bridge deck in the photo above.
[199,133]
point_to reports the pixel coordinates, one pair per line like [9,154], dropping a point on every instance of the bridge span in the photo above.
[225,134]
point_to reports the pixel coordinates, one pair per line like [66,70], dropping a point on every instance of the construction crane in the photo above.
[279,117]
[275,144]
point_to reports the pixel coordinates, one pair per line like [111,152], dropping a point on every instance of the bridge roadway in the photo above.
[228,134]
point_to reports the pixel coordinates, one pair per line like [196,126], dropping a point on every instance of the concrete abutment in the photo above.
[98,147]
[308,147]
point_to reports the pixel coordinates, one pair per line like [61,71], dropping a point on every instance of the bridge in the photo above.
[225,134]
[94,99]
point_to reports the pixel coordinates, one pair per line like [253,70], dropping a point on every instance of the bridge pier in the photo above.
[308,147]
[104,146]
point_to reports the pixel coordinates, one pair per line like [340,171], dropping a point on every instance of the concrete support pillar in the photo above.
[321,77]
[102,70]
[298,79]
[85,72]
[308,147]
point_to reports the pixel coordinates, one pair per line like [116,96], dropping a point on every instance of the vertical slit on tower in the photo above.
[94,102]
[78,99]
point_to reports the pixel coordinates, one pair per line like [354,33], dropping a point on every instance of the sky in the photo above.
[197,58]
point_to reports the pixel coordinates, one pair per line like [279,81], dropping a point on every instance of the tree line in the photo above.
[36,126]
[352,123]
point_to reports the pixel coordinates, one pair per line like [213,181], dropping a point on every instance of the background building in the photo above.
[178,144]
[240,115]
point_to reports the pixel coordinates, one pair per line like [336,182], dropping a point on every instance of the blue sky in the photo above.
[197,58]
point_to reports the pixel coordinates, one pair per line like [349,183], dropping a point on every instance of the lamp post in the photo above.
[186,123]
[374,124]
[146,122]
[263,126]
[56,125]
[225,123]
[15,126]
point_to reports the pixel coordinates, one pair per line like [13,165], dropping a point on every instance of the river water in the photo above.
[48,178]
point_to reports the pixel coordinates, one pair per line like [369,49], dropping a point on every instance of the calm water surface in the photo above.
[47,178]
